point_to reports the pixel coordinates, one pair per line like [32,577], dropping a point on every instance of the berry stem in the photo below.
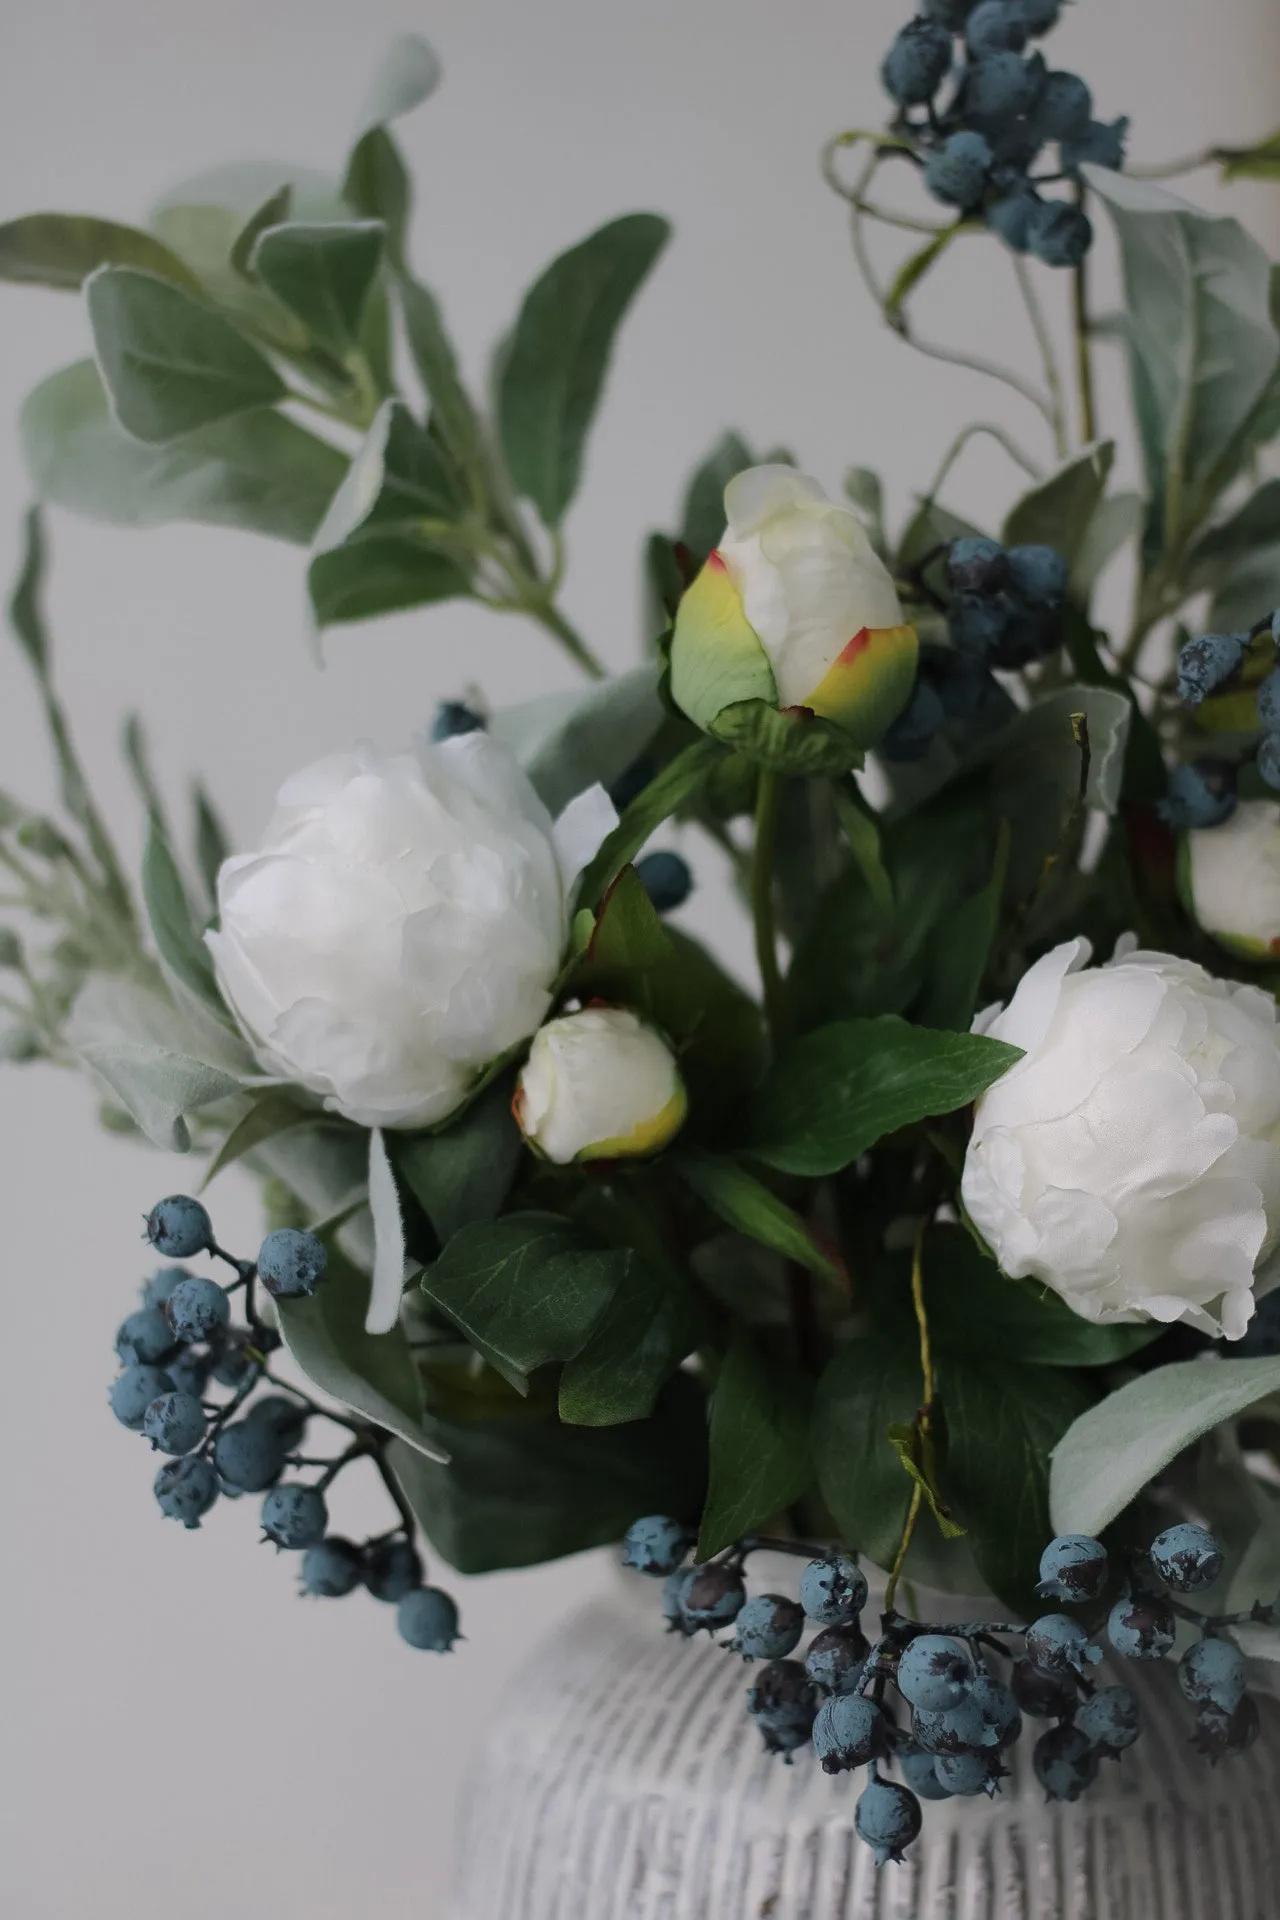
[762,915]
[408,1519]
[1048,357]
[1084,349]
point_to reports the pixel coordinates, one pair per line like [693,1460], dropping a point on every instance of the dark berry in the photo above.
[174,1423]
[768,1627]
[428,1619]
[848,1732]
[888,1818]
[1207,662]
[713,1597]
[666,879]
[291,1263]
[631,784]
[186,1489]
[1073,1567]
[1202,793]
[783,1702]
[917,63]
[294,1516]
[189,1371]
[999,87]
[951,13]
[977,624]
[976,564]
[1186,1557]
[1011,216]
[957,172]
[1059,233]
[833,1591]
[1045,1696]
[1098,145]
[233,1364]
[1064,107]
[331,1568]
[995,26]
[288,1417]
[453,717]
[249,1454]
[144,1338]
[836,1659]
[1220,1735]
[1038,576]
[1029,634]
[674,1590]
[1065,1763]
[392,1568]
[1040,15]
[179,1226]
[1055,1643]
[133,1391]
[998,1708]
[911,733]
[1142,1627]
[197,1308]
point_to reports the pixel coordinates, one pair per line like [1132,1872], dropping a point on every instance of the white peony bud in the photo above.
[599,1085]
[401,924]
[1131,1158]
[1232,878]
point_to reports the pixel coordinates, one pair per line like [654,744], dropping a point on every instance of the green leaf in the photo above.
[271,1114]
[1002,1422]
[871,1385]
[866,491]
[672,789]
[907,1444]
[1258,162]
[1117,521]
[555,367]
[929,527]
[961,947]
[382,573]
[861,829]
[273,211]
[521,1487]
[437,363]
[792,741]
[323,275]
[702,519]
[176,936]
[1113,1451]
[171,363]
[1060,510]
[376,185]
[1251,536]
[399,478]
[461,1175]
[843,1087]
[525,1289]
[648,1328]
[760,1454]
[212,844]
[63,249]
[158,1088]
[745,1203]
[567,741]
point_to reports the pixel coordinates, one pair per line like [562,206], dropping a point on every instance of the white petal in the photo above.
[581,830]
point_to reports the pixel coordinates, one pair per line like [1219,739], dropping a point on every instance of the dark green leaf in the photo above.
[272,212]
[377,186]
[1059,511]
[212,844]
[673,788]
[745,1203]
[702,520]
[871,1385]
[181,948]
[647,1329]
[861,829]
[760,1455]
[323,275]
[399,479]
[930,526]
[272,1113]
[960,948]
[567,741]
[843,1087]
[137,753]
[437,363]
[793,741]
[559,353]
[1218,554]
[63,249]
[381,574]
[461,1175]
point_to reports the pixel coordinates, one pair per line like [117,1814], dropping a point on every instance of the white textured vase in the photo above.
[624,1781]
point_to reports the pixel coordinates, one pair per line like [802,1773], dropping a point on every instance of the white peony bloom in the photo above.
[401,924]
[1131,1158]
[1232,874]
[599,1085]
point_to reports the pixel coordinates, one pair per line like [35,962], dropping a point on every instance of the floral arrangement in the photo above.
[957,1240]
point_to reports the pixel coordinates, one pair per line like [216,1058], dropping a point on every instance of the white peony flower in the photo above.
[599,1085]
[1131,1158]
[401,923]
[1232,876]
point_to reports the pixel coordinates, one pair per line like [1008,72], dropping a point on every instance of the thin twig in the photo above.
[1048,357]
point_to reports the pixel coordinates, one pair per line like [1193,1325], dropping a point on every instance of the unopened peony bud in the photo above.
[599,1085]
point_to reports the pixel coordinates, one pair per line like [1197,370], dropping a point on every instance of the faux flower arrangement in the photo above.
[964,1230]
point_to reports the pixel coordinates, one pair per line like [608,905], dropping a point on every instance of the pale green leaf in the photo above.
[63,249]
[567,741]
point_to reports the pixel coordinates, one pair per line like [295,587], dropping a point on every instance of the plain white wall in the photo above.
[182,1735]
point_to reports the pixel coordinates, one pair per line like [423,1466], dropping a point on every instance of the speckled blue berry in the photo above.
[331,1568]
[836,1659]
[1212,1673]
[1142,1627]
[1056,1643]
[833,1591]
[174,1423]
[294,1516]
[144,1337]
[1100,144]
[179,1226]
[911,733]
[1208,662]
[287,1416]
[157,1289]
[133,1391]
[968,1774]
[1186,1557]
[768,1627]
[1073,1567]
[291,1263]
[917,63]
[186,1489]
[934,1672]
[999,87]
[1269,760]
[1045,1696]
[233,1365]
[1064,108]
[1065,1763]
[1111,1718]
[713,1598]
[1059,234]
[197,1308]
[783,1702]
[999,1710]
[976,564]
[1010,217]
[848,1732]
[1201,793]
[888,1818]
[995,26]
[674,1589]
[1220,1736]
[977,624]
[666,879]
[453,717]
[959,1729]
[249,1455]
[391,1568]
[189,1370]
[428,1619]
[1040,15]
[1038,577]
[957,172]
[655,1545]
[920,1774]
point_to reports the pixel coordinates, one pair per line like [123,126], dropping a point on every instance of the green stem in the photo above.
[1048,358]
[1084,351]
[926,1409]
[548,615]
[762,917]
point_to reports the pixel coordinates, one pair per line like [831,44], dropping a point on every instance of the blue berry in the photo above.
[888,1818]
[1142,1627]
[962,684]
[1269,702]
[714,1597]
[144,1338]
[768,1627]
[1073,1567]
[921,1775]
[976,564]
[957,171]
[453,717]
[1220,1735]
[1064,107]
[294,1516]
[1186,1557]
[1110,1718]
[783,1702]
[291,1263]
[934,1672]
[995,26]
[249,1455]
[959,1729]
[1098,144]
[1202,793]
[1040,15]
[392,1568]
[848,1732]
[1011,216]
[288,1418]
[174,1423]
[186,1489]
[999,1710]
[232,1365]
[1045,1696]
[836,1659]
[666,879]
[197,1308]
[1268,760]
[1039,577]
[1065,1763]
[977,624]
[1212,1673]
[157,1289]
[999,87]
[833,1591]
[1207,662]
[179,1226]
[951,13]
[909,736]
[331,1568]
[969,1773]
[427,1618]
[1030,634]
[189,1371]
[675,1587]
[632,783]
[1055,1643]
[133,1391]
[656,1545]
[1059,233]
[917,63]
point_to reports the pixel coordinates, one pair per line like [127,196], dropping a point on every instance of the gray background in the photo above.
[181,1736]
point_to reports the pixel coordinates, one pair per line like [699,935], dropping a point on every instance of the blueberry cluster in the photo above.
[181,1342]
[930,1699]
[1004,106]
[1203,793]
[1005,609]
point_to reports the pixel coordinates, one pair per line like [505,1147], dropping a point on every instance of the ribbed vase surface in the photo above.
[624,1781]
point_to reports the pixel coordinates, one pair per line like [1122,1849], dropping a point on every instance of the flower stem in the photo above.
[1084,351]
[925,1415]
[548,615]
[762,903]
